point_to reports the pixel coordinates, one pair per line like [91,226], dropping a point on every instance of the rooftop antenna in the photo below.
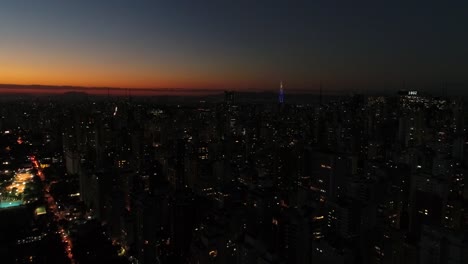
[281,93]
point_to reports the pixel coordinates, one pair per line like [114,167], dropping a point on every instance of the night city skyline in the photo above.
[233,132]
[243,45]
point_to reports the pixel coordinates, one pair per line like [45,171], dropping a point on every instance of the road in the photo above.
[52,207]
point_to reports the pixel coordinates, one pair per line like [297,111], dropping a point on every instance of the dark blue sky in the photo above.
[234,44]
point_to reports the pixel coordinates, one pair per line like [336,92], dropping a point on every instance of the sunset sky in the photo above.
[241,44]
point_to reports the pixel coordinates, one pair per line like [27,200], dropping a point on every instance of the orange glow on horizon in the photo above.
[34,68]
[79,67]
[38,77]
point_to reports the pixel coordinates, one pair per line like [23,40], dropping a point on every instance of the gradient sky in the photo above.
[242,44]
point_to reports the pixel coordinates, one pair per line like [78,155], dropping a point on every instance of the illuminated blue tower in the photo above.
[281,94]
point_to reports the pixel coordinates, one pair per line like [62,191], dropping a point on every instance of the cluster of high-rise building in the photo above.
[356,179]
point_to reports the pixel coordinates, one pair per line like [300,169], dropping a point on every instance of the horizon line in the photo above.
[41,89]
[54,89]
